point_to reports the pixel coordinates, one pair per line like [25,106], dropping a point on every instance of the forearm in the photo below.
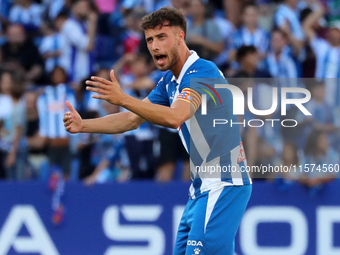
[310,21]
[297,44]
[99,169]
[16,141]
[112,124]
[91,34]
[34,73]
[154,113]
[51,54]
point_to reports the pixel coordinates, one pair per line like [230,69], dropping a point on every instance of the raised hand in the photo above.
[109,91]
[72,120]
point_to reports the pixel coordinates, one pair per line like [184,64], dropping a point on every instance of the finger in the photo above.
[67,116]
[101,80]
[99,91]
[97,84]
[100,97]
[70,107]
[113,77]
[68,128]
[67,123]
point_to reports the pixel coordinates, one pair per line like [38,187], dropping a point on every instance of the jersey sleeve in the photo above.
[159,95]
[196,80]
[206,71]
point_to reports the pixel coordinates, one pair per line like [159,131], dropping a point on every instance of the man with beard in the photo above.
[79,32]
[20,54]
[217,203]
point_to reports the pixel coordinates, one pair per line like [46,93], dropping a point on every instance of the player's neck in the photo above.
[177,68]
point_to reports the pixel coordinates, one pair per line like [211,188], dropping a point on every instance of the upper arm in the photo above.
[187,103]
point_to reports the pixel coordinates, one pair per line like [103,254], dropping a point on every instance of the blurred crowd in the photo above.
[50,47]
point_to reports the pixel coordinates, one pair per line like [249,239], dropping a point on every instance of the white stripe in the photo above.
[191,59]
[203,149]
[236,174]
[51,115]
[192,189]
[212,199]
[183,140]
[198,139]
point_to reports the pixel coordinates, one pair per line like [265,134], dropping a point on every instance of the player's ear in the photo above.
[181,36]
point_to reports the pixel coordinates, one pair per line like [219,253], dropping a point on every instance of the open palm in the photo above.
[72,120]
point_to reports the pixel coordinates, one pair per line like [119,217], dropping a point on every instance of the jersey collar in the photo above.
[191,59]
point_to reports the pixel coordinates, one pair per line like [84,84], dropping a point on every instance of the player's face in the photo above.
[334,35]
[163,46]
[250,16]
[16,34]
[82,8]
[278,42]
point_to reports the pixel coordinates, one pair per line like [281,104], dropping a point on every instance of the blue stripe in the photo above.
[197,183]
[186,135]
[46,117]
[55,47]
[73,62]
[324,68]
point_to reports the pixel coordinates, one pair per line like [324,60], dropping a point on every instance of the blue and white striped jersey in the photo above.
[207,145]
[286,14]
[52,43]
[243,37]
[51,107]
[30,17]
[76,60]
[284,67]
[328,68]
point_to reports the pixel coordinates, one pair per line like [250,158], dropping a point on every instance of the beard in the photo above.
[173,55]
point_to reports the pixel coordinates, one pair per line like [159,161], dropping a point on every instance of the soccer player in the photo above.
[217,203]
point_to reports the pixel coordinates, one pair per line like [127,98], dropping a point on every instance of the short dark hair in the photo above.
[73,2]
[244,51]
[18,85]
[62,15]
[165,16]
[280,31]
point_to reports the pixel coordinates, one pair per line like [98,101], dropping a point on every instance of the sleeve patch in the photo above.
[190,96]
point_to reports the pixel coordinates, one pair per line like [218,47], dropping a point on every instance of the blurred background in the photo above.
[58,187]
